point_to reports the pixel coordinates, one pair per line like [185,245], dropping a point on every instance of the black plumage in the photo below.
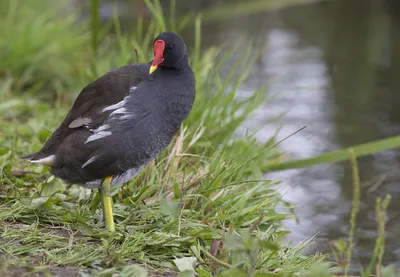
[124,119]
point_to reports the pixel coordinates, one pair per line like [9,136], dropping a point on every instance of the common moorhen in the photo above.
[122,121]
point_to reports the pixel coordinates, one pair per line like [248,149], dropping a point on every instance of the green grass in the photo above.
[41,49]
[342,250]
[205,190]
[202,206]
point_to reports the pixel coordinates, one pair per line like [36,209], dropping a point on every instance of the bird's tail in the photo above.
[40,158]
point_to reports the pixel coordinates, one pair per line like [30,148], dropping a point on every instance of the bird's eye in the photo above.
[171,46]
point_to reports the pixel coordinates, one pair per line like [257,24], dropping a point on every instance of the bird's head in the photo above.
[169,52]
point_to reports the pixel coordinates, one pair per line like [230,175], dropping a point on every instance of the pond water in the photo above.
[333,66]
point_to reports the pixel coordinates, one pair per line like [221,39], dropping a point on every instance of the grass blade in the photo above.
[337,156]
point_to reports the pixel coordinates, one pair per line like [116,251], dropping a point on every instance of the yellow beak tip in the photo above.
[152,69]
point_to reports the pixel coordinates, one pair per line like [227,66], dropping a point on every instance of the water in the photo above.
[334,66]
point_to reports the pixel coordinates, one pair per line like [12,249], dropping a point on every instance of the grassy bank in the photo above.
[202,207]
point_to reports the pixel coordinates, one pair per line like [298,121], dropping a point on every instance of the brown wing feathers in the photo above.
[87,111]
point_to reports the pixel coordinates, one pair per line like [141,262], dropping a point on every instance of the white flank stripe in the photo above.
[126,176]
[119,111]
[126,116]
[132,89]
[93,184]
[117,180]
[101,128]
[115,106]
[49,160]
[92,159]
[98,135]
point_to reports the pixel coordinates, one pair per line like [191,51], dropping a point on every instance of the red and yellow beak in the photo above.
[159,46]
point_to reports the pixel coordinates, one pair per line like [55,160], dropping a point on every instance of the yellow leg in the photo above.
[105,192]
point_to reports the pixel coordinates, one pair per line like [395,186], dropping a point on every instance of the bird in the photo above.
[122,121]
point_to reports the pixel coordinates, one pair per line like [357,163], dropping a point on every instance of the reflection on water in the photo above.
[333,66]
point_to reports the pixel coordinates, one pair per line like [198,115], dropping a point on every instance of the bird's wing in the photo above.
[106,91]
[124,143]
[110,140]
[87,110]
